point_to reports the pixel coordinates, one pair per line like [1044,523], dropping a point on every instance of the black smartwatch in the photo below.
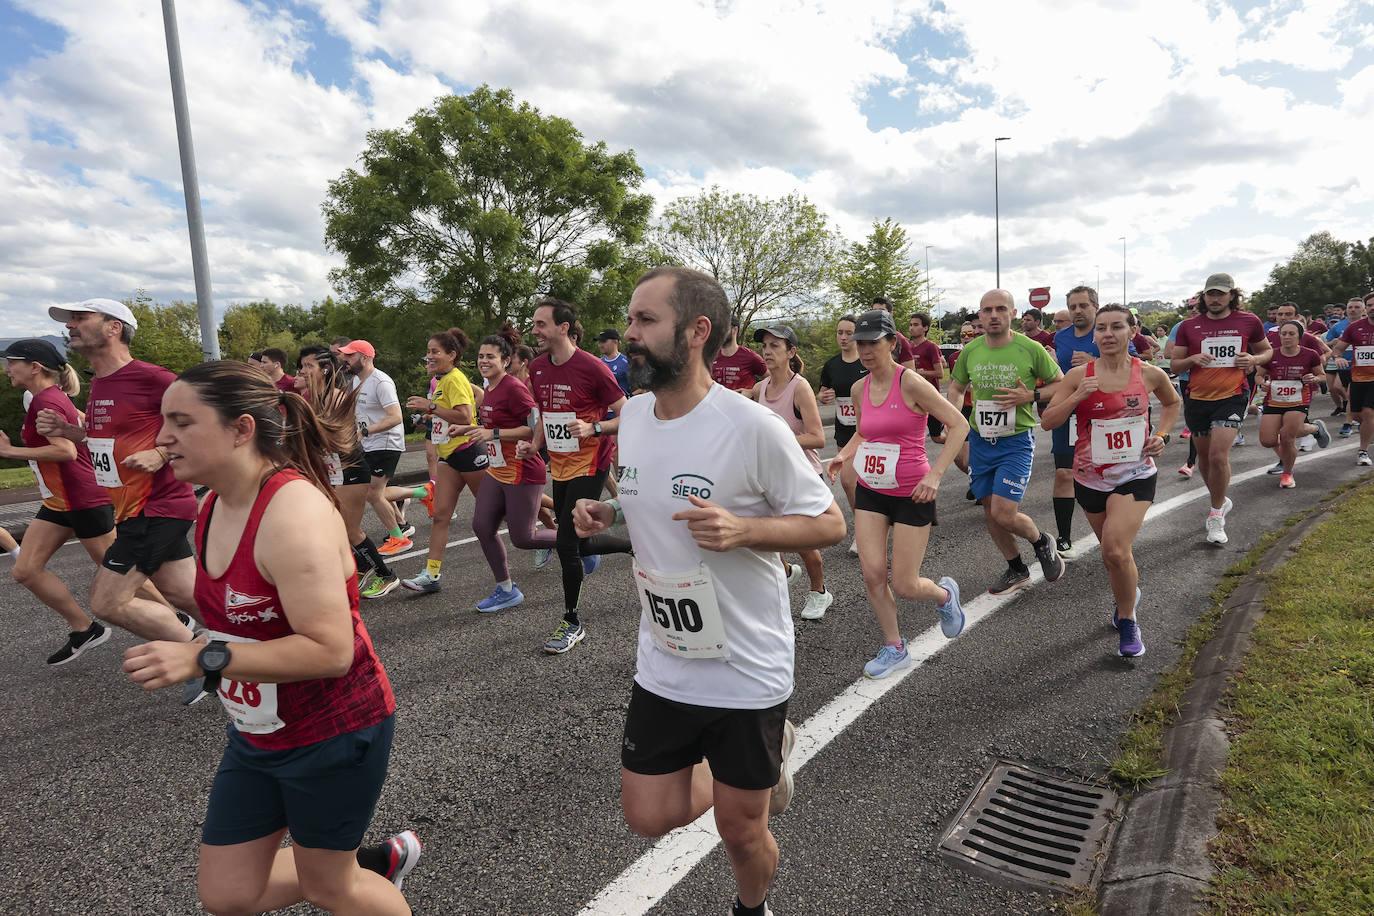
[596,429]
[212,660]
[1164,436]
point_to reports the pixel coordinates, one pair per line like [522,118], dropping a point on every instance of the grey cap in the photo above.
[780,331]
[1222,282]
[874,324]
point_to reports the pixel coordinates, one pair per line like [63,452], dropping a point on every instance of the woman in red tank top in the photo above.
[288,655]
[1114,474]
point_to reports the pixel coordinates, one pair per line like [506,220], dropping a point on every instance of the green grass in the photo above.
[1297,825]
[10,478]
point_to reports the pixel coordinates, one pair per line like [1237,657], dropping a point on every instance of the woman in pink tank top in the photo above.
[786,392]
[1108,400]
[897,485]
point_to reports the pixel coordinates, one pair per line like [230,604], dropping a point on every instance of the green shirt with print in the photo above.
[983,369]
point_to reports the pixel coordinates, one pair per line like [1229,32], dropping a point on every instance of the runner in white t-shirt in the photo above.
[714,487]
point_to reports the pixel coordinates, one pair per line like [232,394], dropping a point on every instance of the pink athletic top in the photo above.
[894,423]
[1130,402]
[785,407]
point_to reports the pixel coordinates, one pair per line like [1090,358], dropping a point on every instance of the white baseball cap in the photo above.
[103,306]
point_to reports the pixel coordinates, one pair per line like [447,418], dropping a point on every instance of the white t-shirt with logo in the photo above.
[375,395]
[743,455]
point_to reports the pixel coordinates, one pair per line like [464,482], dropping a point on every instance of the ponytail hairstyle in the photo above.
[795,361]
[68,380]
[333,396]
[512,336]
[454,341]
[288,432]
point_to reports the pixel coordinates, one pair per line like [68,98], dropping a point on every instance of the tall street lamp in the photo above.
[997,209]
[1123,272]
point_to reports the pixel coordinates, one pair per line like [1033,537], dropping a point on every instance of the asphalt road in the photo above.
[506,760]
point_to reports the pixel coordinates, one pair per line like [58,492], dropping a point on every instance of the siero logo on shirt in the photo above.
[686,486]
[629,480]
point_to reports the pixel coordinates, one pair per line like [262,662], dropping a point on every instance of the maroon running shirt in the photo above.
[740,370]
[64,485]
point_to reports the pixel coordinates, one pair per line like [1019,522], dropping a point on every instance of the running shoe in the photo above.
[428,499]
[1116,619]
[565,637]
[969,495]
[1239,440]
[782,792]
[816,604]
[402,505]
[1216,524]
[888,660]
[1362,459]
[1323,434]
[1186,471]
[1010,582]
[591,563]
[187,621]
[1186,434]
[376,586]
[392,546]
[422,583]
[952,611]
[1050,563]
[500,599]
[193,691]
[1276,469]
[542,555]
[1064,547]
[1337,411]
[794,571]
[403,851]
[94,635]
[1347,429]
[407,531]
[1286,482]
[1129,645]
[853,547]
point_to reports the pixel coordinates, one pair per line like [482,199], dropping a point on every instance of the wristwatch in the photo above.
[1164,436]
[496,435]
[596,429]
[431,406]
[212,660]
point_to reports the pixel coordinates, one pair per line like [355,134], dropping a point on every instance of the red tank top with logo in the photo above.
[241,605]
[1112,429]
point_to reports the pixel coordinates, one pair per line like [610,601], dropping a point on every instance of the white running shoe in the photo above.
[1216,529]
[816,604]
[853,547]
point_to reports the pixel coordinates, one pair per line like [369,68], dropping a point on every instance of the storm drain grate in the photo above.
[1027,826]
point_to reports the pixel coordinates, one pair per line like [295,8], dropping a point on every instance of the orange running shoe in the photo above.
[428,500]
[393,546]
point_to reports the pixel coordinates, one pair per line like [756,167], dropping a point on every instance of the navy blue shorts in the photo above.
[323,793]
[1001,469]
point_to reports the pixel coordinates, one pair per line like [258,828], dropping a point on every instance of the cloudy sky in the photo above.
[1213,136]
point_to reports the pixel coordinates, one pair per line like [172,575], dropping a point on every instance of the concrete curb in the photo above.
[1158,862]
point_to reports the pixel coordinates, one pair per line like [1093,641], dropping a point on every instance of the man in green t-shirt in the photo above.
[1001,369]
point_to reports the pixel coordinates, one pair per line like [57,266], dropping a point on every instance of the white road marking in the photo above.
[641,886]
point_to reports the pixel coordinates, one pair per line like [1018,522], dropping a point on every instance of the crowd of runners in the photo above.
[690,451]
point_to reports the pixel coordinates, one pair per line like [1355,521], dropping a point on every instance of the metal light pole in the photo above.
[928,247]
[1099,278]
[200,263]
[997,209]
[1123,272]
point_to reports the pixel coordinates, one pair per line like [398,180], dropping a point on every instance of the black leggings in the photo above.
[571,548]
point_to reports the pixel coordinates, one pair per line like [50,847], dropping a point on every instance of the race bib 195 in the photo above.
[876,464]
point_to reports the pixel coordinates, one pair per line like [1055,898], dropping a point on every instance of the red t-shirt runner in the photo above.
[738,371]
[63,485]
[1225,338]
[583,389]
[506,406]
[1043,338]
[1307,340]
[242,606]
[904,351]
[928,355]
[1359,349]
[1285,370]
[124,416]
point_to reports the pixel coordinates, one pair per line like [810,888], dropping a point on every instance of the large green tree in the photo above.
[772,255]
[474,209]
[1323,270]
[880,265]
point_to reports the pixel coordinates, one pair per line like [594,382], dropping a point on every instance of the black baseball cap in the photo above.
[609,334]
[780,331]
[33,350]
[874,324]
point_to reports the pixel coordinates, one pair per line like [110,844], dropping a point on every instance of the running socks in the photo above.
[420,492]
[375,858]
[1063,516]
[1018,565]
[572,618]
[739,909]
[432,568]
[396,532]
[374,558]
[15,552]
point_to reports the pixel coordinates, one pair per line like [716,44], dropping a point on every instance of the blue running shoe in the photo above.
[565,637]
[1130,645]
[1116,611]
[422,583]
[888,660]
[1323,434]
[591,564]
[951,612]
[500,599]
